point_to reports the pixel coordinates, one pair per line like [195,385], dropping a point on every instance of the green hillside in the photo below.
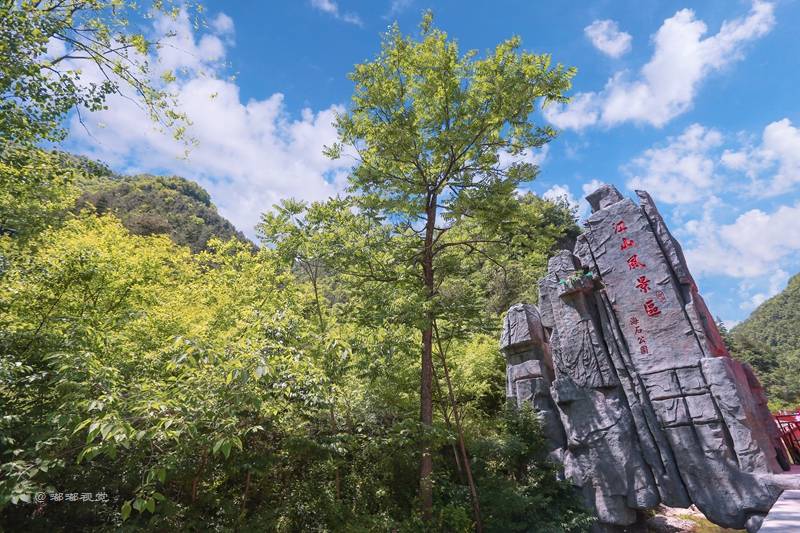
[770,341]
[776,322]
[149,205]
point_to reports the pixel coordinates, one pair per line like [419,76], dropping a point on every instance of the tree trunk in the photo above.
[443,408]
[426,417]
[473,489]
[426,374]
[196,479]
[245,494]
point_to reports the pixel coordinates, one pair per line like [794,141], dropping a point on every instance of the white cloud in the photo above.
[250,153]
[590,187]
[606,37]
[736,161]
[756,244]
[689,167]
[666,86]
[682,171]
[752,298]
[730,324]
[222,24]
[55,48]
[328,6]
[560,192]
[563,192]
[581,112]
[397,7]
[180,50]
[532,156]
[332,8]
[778,154]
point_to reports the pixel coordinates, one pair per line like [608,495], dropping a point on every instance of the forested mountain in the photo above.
[150,205]
[776,322]
[769,339]
[145,204]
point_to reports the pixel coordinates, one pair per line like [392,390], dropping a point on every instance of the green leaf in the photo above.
[82,425]
[217,445]
[126,510]
[226,448]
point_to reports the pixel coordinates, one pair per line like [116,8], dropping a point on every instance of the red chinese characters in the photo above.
[633,262]
[651,308]
[641,339]
[643,284]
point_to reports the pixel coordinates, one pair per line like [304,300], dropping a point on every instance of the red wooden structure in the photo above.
[789,428]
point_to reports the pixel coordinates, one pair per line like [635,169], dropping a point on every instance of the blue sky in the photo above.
[695,103]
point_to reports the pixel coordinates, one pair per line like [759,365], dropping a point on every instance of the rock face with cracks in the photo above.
[637,394]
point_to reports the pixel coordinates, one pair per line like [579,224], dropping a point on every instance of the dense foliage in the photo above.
[769,341]
[36,189]
[223,387]
[204,390]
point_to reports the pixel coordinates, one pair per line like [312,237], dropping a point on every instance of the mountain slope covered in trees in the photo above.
[169,205]
[769,339]
[776,322]
[61,182]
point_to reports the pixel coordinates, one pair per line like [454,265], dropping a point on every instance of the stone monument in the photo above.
[637,394]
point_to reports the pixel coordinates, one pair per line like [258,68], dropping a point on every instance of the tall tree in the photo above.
[433,131]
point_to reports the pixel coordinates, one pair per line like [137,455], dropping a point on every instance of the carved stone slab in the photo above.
[638,395]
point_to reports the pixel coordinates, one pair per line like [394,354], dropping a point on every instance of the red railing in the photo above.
[789,428]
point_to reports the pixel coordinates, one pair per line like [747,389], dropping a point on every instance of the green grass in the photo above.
[704,526]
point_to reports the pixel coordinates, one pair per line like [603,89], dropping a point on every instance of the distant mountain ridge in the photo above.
[148,204]
[776,322]
[769,339]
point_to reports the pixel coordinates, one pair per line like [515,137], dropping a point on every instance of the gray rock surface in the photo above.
[529,370]
[637,393]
